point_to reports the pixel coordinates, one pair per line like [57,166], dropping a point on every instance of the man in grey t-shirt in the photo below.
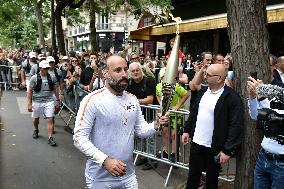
[41,101]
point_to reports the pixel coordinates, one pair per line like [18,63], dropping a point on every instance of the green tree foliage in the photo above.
[18,25]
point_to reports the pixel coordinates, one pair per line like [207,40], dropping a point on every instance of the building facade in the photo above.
[112,30]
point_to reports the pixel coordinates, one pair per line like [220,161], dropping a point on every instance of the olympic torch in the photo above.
[170,78]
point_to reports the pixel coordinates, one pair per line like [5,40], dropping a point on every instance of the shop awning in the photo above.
[275,13]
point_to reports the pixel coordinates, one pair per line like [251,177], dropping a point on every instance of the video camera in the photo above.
[271,120]
[272,123]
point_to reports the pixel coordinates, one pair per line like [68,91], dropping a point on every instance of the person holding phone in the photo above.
[269,169]
[88,73]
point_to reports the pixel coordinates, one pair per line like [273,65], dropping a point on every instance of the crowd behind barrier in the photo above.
[9,77]
[148,148]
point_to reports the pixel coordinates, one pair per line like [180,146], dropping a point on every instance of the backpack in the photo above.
[56,74]
[39,82]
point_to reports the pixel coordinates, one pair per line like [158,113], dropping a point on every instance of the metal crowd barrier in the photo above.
[7,74]
[149,147]
[73,95]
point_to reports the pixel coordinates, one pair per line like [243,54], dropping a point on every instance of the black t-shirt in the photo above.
[86,76]
[143,89]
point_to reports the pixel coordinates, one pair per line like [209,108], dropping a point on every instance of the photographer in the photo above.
[269,168]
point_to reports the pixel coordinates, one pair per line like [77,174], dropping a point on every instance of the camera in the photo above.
[199,59]
[272,124]
[253,75]
[217,158]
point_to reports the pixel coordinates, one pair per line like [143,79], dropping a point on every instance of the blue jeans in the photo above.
[268,174]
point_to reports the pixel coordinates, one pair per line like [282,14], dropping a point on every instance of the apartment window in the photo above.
[105,20]
[147,21]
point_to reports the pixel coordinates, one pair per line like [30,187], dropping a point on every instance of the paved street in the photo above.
[26,163]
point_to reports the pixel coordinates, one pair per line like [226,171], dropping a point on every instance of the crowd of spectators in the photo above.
[145,75]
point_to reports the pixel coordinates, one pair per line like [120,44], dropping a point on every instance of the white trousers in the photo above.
[129,183]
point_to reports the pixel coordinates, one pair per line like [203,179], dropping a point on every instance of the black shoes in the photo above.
[165,154]
[35,135]
[172,158]
[51,141]
[141,161]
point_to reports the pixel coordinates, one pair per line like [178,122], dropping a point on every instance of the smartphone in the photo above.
[253,75]
[217,158]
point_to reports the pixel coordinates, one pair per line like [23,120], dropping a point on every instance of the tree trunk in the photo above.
[249,45]
[60,5]
[38,14]
[59,30]
[93,30]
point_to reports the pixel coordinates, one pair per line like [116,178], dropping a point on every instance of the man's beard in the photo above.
[116,84]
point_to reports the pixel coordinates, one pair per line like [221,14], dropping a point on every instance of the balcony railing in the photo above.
[102,26]
[109,26]
[106,26]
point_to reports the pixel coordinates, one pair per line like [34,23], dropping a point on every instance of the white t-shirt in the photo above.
[205,118]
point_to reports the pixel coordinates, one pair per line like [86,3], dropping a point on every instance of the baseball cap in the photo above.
[50,59]
[44,64]
[32,54]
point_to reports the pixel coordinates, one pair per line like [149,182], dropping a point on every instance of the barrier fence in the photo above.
[151,148]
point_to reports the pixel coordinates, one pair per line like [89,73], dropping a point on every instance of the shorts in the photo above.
[43,109]
[15,75]
[176,121]
[129,183]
